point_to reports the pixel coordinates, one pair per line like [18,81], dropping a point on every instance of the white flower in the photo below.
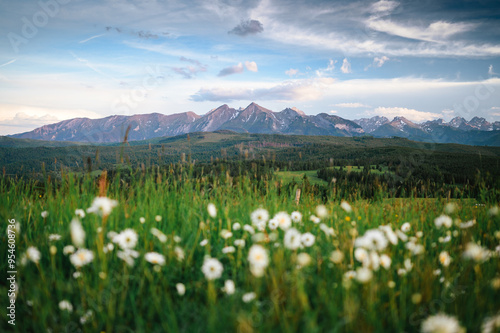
[158,234]
[475,252]
[349,275]
[249,229]
[44,214]
[450,207]
[258,259]
[391,236]
[408,264]
[181,289]
[444,259]
[212,211]
[307,239]
[239,242]
[345,206]
[273,224]
[65,305]
[296,217]
[204,242]
[373,239]
[68,249]
[248,297]
[77,232]
[493,211]
[158,218]
[292,239]
[155,258]
[321,211]
[443,220]
[102,206]
[441,323]
[127,239]
[228,249]
[360,254]
[212,268]
[259,215]
[142,220]
[491,324]
[467,224]
[284,221]
[179,253]
[54,237]
[80,213]
[337,256]
[327,230]
[315,219]
[86,317]
[402,236]
[229,287]
[33,254]
[363,274]
[128,255]
[177,239]
[385,261]
[406,227]
[303,259]
[81,257]
[236,226]
[226,234]
[77,275]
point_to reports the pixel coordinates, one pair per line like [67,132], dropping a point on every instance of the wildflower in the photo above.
[181,289]
[273,224]
[374,262]
[158,218]
[408,264]
[204,242]
[77,232]
[303,259]
[212,211]
[327,230]
[406,227]
[315,219]
[249,229]
[402,236]
[475,252]
[467,224]
[226,234]
[179,253]
[373,239]
[158,234]
[81,257]
[228,249]
[65,305]
[128,255]
[236,226]
[321,211]
[391,236]
[80,213]
[102,206]
[77,275]
[142,220]
[258,259]
[419,234]
[177,239]
[345,206]
[349,275]
[441,323]
[248,297]
[444,259]
[443,220]
[337,256]
[284,221]
[103,275]
[493,211]
[239,242]
[212,268]
[491,324]
[155,258]
[127,239]
[360,254]
[385,261]
[54,237]
[33,254]
[363,274]
[391,284]
[292,239]
[450,207]
[259,215]
[86,317]
[68,249]
[296,217]
[307,239]
[229,287]
[44,214]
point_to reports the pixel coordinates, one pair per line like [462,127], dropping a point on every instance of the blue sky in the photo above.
[424,60]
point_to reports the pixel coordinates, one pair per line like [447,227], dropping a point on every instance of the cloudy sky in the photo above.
[423,59]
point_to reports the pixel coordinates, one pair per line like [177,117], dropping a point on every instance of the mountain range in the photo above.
[257,119]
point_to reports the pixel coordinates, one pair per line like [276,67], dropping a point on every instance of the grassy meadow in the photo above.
[178,253]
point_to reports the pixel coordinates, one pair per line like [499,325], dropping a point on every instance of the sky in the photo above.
[423,60]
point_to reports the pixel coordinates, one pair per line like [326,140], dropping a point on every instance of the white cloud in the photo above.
[324,71]
[352,105]
[231,70]
[251,66]
[379,62]
[384,7]
[346,66]
[491,71]
[292,72]
[333,111]
[411,114]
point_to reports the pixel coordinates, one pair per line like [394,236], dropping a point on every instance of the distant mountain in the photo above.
[257,119]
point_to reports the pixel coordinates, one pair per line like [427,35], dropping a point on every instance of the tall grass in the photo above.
[111,296]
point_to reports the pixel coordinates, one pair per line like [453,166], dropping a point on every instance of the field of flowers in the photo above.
[172,253]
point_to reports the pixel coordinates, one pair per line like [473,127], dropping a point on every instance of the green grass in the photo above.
[314,298]
[298,176]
